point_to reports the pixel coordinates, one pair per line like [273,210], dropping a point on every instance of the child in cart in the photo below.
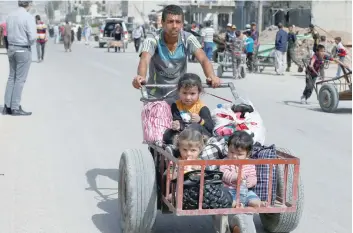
[240,145]
[315,64]
[189,111]
[189,145]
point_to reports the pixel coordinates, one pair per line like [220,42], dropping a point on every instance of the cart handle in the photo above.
[145,97]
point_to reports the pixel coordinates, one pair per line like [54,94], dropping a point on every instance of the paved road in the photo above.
[85,113]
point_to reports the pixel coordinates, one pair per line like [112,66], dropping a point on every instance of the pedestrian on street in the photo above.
[254,33]
[56,34]
[21,34]
[341,54]
[229,33]
[249,48]
[137,34]
[281,49]
[87,33]
[72,36]
[79,33]
[291,56]
[315,64]
[118,35]
[207,39]
[67,36]
[315,35]
[42,38]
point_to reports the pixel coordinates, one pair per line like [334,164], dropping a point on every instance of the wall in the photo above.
[333,15]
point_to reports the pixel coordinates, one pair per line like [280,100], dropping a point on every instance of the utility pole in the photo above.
[259,16]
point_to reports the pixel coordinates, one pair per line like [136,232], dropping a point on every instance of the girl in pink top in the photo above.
[239,147]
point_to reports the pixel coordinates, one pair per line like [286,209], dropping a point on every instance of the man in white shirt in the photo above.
[136,35]
[207,40]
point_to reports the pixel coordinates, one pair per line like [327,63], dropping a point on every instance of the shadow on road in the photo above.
[107,222]
[337,111]
[92,174]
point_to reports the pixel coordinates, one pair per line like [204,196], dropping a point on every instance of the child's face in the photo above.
[189,151]
[336,41]
[320,53]
[189,96]
[237,153]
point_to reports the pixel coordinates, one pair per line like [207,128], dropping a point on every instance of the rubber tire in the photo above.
[137,188]
[245,222]
[285,222]
[328,89]
[219,71]
[101,45]
[242,72]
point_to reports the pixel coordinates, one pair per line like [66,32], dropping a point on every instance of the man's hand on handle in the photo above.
[138,80]
[214,81]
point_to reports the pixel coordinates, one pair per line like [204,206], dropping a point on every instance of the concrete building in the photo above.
[338,17]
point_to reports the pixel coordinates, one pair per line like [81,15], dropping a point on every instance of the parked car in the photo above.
[107,33]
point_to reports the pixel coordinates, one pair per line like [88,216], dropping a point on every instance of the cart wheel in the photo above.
[242,72]
[219,71]
[285,222]
[137,192]
[242,223]
[328,98]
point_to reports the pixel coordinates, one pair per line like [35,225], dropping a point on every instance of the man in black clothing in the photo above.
[291,56]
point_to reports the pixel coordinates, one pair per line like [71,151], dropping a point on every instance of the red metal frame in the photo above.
[283,158]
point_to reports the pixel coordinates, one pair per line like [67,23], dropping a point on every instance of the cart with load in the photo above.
[231,60]
[330,91]
[145,187]
[112,43]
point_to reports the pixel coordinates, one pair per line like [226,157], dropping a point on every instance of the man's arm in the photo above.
[142,68]
[31,29]
[147,51]
[278,37]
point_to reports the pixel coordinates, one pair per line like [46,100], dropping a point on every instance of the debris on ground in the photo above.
[305,46]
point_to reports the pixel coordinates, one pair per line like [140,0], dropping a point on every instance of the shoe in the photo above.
[303,100]
[288,69]
[6,110]
[20,112]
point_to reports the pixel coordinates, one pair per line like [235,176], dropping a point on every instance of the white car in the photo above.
[106,34]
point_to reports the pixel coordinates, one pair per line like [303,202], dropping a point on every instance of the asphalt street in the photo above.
[60,165]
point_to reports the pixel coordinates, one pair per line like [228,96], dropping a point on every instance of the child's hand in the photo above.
[195,118]
[176,125]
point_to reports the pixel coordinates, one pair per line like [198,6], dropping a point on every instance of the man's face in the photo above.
[173,24]
[253,27]
[290,29]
